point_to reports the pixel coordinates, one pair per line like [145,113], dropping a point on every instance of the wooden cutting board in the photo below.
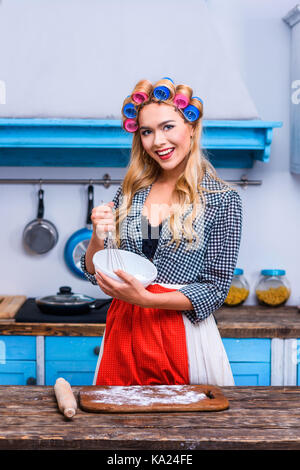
[10,304]
[152,398]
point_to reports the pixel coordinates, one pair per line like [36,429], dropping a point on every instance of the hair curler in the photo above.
[191,112]
[142,91]
[139,97]
[181,101]
[129,109]
[197,98]
[183,96]
[130,125]
[164,89]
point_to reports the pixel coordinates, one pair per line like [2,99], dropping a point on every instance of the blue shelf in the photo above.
[103,143]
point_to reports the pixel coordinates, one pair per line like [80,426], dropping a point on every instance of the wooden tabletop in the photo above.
[259,322]
[258,418]
[238,322]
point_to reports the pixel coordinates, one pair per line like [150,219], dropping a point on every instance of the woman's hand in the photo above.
[103,220]
[131,290]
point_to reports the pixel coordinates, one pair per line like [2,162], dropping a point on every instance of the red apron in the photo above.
[143,346]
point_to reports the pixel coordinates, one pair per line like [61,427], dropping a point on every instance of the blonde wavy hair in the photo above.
[144,170]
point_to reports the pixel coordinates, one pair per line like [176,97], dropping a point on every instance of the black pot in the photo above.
[65,302]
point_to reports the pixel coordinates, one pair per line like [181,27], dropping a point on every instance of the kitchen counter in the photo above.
[239,322]
[258,418]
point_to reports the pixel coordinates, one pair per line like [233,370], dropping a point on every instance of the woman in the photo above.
[173,209]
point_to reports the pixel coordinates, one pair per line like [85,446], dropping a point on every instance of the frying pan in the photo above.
[65,302]
[78,242]
[40,235]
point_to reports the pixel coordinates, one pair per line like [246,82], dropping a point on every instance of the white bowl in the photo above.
[136,265]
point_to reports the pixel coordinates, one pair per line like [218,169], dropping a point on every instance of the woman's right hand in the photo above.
[103,220]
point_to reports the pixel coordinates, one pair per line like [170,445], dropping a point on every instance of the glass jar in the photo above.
[239,289]
[272,289]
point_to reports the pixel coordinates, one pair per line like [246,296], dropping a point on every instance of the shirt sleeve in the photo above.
[214,280]
[91,277]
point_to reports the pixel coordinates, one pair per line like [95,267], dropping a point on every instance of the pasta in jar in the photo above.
[239,289]
[273,288]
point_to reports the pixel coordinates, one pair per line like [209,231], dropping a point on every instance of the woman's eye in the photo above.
[166,127]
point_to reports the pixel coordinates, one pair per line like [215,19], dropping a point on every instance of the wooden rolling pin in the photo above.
[66,401]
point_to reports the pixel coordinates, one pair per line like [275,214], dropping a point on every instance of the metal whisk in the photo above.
[114,258]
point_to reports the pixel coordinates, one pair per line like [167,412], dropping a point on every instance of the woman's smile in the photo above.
[165,154]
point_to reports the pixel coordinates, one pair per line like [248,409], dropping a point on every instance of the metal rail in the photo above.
[106,181]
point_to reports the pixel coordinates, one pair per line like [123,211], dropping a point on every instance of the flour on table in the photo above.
[144,396]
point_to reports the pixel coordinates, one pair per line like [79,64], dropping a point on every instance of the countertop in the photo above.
[258,418]
[238,322]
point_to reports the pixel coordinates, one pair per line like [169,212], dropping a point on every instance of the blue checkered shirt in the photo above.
[206,271]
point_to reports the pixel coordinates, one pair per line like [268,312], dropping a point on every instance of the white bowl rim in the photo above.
[146,260]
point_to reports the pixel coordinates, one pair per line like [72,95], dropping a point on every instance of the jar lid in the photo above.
[238,271]
[273,272]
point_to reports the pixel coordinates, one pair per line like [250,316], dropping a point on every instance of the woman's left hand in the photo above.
[131,290]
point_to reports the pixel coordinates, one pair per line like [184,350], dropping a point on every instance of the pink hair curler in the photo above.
[139,97]
[181,101]
[131,125]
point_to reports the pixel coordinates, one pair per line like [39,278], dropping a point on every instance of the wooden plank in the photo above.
[277,361]
[10,304]
[248,349]
[51,329]
[40,360]
[258,418]
[290,362]
[258,322]
[255,419]
[251,321]
[163,398]
[69,437]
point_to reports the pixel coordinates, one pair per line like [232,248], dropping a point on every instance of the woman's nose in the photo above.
[159,139]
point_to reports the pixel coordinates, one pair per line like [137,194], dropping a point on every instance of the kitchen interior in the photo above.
[63,151]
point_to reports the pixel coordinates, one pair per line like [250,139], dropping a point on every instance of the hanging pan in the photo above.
[78,242]
[40,235]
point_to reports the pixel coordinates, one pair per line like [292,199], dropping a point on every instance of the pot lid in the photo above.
[65,296]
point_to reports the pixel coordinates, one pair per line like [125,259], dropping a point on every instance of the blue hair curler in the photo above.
[161,93]
[168,78]
[129,111]
[197,98]
[191,113]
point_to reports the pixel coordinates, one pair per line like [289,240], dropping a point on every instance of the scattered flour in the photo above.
[144,396]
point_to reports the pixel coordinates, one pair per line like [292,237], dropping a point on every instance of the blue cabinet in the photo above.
[17,360]
[73,358]
[250,360]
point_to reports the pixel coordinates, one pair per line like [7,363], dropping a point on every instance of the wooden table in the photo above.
[258,418]
[253,321]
